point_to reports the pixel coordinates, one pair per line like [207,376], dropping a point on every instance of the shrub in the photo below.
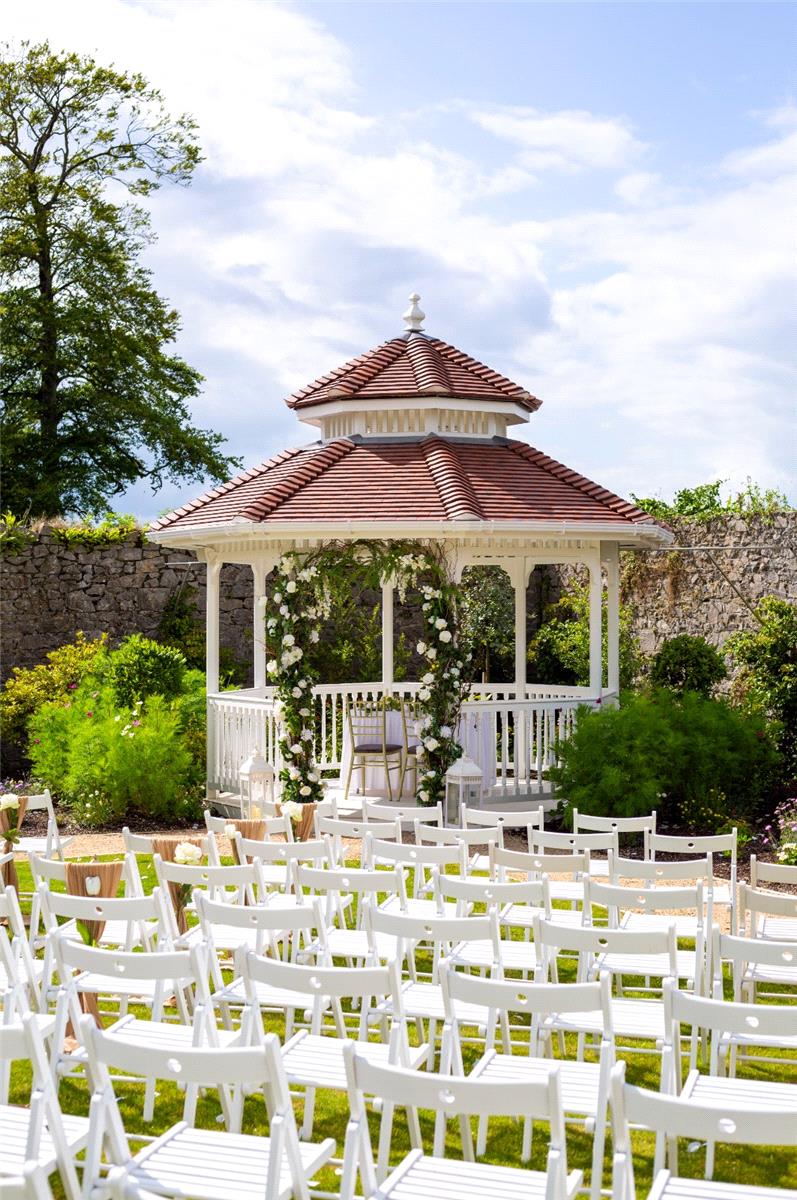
[30,687]
[768,680]
[180,626]
[781,836]
[142,667]
[697,761]
[687,664]
[559,650]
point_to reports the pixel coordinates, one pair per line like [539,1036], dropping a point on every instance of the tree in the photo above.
[559,650]
[687,664]
[488,620]
[91,398]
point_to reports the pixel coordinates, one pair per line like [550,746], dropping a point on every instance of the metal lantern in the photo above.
[463,786]
[257,787]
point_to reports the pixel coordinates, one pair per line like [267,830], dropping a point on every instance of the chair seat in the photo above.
[378,748]
[211,1165]
[163,1036]
[650,965]
[110,985]
[671,1187]
[778,929]
[771,973]
[426,1000]
[420,1176]
[14,1122]
[642,1019]
[267,996]
[580,1081]
[116,933]
[753,1094]
[38,845]
[515,956]
[521,916]
[353,943]
[417,907]
[685,926]
[567,889]
[315,1061]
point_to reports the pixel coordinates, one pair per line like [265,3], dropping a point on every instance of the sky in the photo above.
[597,200]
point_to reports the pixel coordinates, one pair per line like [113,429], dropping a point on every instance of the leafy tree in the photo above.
[768,680]
[488,621]
[704,501]
[559,650]
[91,398]
[687,664]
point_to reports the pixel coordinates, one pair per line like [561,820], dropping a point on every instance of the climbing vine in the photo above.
[305,588]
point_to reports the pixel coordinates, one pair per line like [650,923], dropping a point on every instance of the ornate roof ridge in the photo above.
[451,480]
[303,473]
[612,501]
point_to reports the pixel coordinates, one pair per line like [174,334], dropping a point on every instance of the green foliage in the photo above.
[703,502]
[687,664]
[180,626]
[92,399]
[109,762]
[696,761]
[142,667]
[106,530]
[768,679]
[559,650]
[29,688]
[15,534]
[487,602]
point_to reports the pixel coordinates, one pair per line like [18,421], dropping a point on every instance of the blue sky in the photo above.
[597,199]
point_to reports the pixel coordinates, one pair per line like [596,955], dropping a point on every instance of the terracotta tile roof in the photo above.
[414,479]
[412,365]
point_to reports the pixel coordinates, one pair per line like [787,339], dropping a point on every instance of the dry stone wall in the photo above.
[49,590]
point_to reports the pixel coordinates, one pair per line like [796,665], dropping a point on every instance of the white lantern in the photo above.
[463,786]
[257,787]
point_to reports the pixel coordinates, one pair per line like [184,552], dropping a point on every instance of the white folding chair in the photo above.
[419,1176]
[185,1160]
[570,869]
[336,830]
[405,814]
[477,860]
[545,842]
[584,823]
[765,914]
[754,962]
[671,1117]
[277,862]
[51,872]
[52,844]
[585,1085]
[312,1058]
[525,820]
[334,888]
[654,873]
[142,845]
[37,1139]
[765,1025]
[506,899]
[766,876]
[29,971]
[422,860]
[230,885]
[723,895]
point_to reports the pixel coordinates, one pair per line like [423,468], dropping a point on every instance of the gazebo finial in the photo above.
[414,316]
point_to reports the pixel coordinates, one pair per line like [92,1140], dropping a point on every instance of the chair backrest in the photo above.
[220,825]
[533,864]
[452,835]
[656,871]
[507,819]
[492,893]
[584,823]
[421,858]
[285,854]
[405,814]
[442,931]
[144,844]
[335,829]
[762,873]
[758,904]
[719,843]
[449,1096]
[574,843]
[618,899]
[329,885]
[740,952]
[43,802]
[590,942]
[367,724]
[303,922]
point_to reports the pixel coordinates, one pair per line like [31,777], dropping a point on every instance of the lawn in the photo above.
[774,1167]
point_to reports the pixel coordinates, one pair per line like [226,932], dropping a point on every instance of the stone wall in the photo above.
[49,590]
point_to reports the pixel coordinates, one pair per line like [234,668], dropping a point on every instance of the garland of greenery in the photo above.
[304,590]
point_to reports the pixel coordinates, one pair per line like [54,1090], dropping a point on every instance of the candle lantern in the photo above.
[463,786]
[257,787]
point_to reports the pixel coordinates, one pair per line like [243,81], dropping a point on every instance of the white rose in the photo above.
[423,796]
[294,773]
[296,748]
[272,666]
[421,647]
[284,610]
[445,730]
[431,743]
[9,800]
[424,693]
[290,586]
[445,635]
[305,791]
[307,735]
[314,635]
[278,597]
[187,855]
[431,653]
[296,692]
[440,623]
[230,830]
[289,640]
[292,809]
[428,678]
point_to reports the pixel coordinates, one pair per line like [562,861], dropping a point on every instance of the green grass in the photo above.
[772,1166]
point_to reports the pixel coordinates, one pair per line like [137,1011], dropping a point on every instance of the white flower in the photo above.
[455,672]
[304,712]
[290,586]
[289,640]
[93,885]
[423,796]
[428,678]
[284,610]
[296,748]
[230,830]
[292,809]
[445,730]
[424,693]
[314,635]
[431,743]
[296,692]
[294,773]
[118,717]
[445,635]
[272,666]
[312,776]
[278,597]
[9,800]
[431,653]
[421,647]
[187,855]
[440,623]
[305,791]
[307,735]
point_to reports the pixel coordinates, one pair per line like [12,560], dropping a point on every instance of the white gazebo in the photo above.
[414,443]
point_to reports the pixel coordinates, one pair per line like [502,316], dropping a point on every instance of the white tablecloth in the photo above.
[475,733]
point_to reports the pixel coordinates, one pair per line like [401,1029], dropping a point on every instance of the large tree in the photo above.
[92,400]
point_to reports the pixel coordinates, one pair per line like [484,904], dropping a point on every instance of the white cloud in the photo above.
[569,140]
[773,158]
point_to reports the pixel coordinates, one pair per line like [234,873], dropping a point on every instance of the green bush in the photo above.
[697,761]
[29,688]
[142,667]
[687,664]
[768,680]
[559,650]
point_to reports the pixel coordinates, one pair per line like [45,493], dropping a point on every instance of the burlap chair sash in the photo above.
[165,847]
[255,830]
[96,881]
[11,818]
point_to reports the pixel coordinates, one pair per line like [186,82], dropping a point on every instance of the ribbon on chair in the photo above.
[94,880]
[256,830]
[179,893]
[10,821]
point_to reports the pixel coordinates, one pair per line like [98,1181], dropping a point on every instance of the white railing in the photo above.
[524,733]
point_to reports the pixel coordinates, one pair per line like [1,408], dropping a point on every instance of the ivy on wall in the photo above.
[305,588]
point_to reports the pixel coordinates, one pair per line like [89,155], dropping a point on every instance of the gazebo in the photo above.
[414,444]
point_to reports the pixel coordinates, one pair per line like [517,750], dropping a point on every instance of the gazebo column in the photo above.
[595,626]
[214,565]
[387,634]
[259,571]
[611,560]
[519,574]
